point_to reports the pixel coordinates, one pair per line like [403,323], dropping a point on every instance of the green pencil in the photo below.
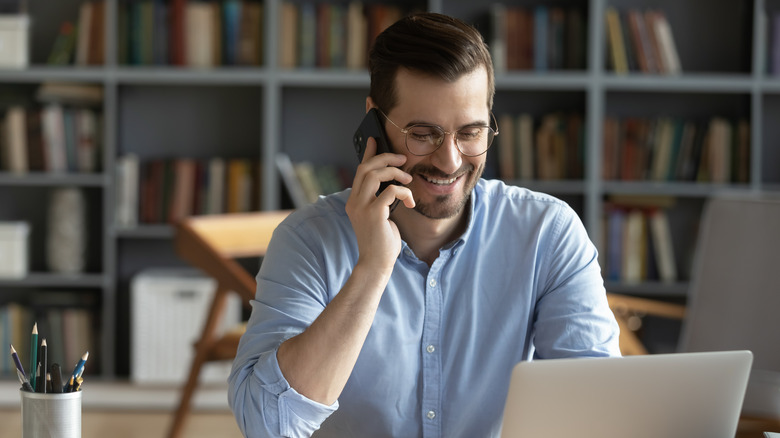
[33,354]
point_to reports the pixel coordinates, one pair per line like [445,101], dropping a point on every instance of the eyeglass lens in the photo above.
[471,140]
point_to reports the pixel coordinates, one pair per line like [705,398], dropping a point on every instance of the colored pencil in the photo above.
[79,370]
[33,353]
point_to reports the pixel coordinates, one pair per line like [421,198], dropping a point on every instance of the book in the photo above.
[87,140]
[634,248]
[199,39]
[498,37]
[96,39]
[53,124]
[617,49]
[289,33]
[541,23]
[36,153]
[506,147]
[667,46]
[127,187]
[14,140]
[70,93]
[84,32]
[183,199]
[357,36]
[525,146]
[662,244]
[215,188]
[290,179]
[307,37]
[250,36]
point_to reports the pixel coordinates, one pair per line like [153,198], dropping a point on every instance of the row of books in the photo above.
[537,38]
[548,148]
[70,331]
[641,42]
[306,181]
[674,149]
[331,35]
[61,135]
[639,244]
[166,190]
[190,33]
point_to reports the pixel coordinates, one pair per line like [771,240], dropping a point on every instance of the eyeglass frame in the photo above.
[405,132]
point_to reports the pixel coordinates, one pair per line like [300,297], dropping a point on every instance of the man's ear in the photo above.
[369,103]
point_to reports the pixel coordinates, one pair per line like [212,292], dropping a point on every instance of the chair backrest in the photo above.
[213,242]
[734,300]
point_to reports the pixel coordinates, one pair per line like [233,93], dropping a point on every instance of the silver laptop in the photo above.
[665,395]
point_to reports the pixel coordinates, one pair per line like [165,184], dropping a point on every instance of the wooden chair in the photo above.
[733,302]
[212,244]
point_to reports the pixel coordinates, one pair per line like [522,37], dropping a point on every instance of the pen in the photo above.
[44,357]
[68,386]
[33,353]
[18,364]
[23,380]
[47,386]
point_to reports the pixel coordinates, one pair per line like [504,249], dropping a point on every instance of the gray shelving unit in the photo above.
[310,114]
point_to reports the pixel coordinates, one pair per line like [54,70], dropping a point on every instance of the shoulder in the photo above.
[494,197]
[326,214]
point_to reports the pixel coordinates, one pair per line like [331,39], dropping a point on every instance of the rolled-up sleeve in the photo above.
[573,317]
[291,293]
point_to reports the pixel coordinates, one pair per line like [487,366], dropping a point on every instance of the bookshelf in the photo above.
[254,111]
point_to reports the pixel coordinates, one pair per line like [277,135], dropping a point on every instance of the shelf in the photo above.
[554,80]
[38,73]
[684,189]
[46,279]
[146,232]
[553,187]
[189,76]
[702,83]
[53,179]
[325,78]
[649,288]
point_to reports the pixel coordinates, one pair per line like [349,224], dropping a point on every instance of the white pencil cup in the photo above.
[51,415]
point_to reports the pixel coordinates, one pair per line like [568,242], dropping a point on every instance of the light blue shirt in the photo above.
[522,282]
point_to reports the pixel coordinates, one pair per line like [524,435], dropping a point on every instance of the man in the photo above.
[371,321]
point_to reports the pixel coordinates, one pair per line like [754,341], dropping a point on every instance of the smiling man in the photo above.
[378,322]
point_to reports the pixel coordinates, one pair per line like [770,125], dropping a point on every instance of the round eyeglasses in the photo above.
[471,140]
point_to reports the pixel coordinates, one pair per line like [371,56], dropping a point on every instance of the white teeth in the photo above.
[441,181]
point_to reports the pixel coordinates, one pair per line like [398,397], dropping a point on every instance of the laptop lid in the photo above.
[664,395]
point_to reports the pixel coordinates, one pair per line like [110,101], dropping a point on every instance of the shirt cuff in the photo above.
[299,416]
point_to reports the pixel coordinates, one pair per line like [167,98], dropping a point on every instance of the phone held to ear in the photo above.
[371,126]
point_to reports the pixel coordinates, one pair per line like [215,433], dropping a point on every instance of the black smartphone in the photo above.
[371,126]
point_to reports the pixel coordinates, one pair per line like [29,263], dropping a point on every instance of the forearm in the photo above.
[318,362]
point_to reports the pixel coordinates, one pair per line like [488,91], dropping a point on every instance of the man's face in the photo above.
[442,181]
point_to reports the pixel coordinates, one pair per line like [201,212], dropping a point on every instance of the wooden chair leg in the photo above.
[202,352]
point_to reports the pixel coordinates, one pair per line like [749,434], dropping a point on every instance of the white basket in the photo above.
[168,310]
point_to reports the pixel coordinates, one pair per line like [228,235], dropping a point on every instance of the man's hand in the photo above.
[379,240]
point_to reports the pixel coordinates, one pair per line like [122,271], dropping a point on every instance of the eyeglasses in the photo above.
[472,141]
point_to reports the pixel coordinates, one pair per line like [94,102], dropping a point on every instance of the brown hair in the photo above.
[427,42]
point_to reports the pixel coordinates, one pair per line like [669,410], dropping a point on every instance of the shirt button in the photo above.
[430,349]
[431,415]
[432,282]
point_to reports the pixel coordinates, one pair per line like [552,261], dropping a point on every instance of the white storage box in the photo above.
[14,41]
[168,311]
[14,253]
